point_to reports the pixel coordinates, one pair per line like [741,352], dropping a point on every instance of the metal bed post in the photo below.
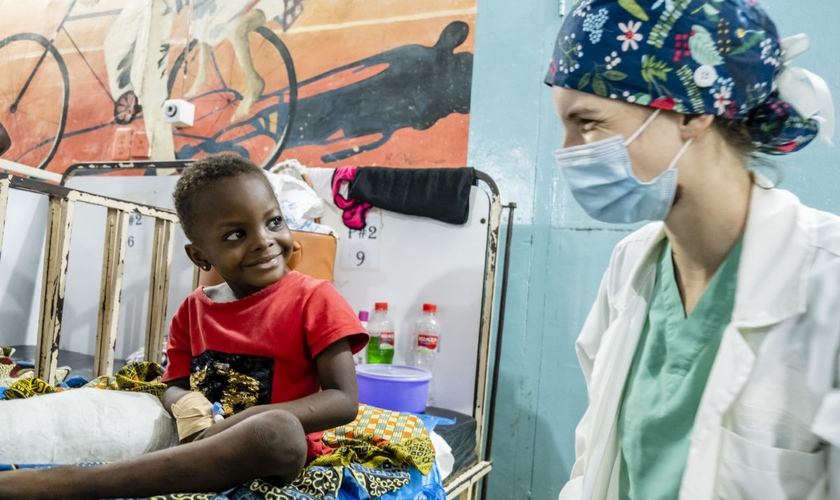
[467,485]
[487,306]
[500,330]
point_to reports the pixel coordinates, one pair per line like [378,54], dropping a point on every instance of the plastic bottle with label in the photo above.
[380,349]
[360,357]
[427,338]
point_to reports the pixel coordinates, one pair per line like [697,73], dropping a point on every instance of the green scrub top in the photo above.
[667,378]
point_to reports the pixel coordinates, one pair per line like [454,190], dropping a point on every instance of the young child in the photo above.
[272,346]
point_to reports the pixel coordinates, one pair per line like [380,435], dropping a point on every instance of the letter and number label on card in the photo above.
[360,247]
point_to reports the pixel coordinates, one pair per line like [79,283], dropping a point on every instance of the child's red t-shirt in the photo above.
[260,349]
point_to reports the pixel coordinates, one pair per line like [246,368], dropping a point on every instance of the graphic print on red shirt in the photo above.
[259,349]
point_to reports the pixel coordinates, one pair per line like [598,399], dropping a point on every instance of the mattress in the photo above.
[460,436]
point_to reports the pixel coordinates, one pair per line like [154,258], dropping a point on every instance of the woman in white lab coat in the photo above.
[711,352]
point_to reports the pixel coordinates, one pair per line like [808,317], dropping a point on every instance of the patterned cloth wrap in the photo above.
[138,377]
[374,453]
[719,57]
[380,436]
[11,372]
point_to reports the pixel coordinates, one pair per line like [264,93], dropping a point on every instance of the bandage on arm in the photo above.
[193,413]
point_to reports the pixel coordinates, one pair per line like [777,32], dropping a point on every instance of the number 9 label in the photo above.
[360,247]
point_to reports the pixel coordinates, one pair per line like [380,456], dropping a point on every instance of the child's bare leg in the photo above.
[267,444]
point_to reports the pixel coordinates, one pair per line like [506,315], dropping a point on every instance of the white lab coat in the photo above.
[768,425]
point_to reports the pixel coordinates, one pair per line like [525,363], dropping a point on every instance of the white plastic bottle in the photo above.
[361,357]
[380,349]
[427,338]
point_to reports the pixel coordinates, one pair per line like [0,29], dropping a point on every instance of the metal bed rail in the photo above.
[62,202]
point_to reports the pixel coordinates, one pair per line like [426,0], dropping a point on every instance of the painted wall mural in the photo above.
[328,82]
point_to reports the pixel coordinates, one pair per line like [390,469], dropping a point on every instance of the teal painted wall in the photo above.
[559,253]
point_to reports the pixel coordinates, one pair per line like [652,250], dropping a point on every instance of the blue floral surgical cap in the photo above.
[720,57]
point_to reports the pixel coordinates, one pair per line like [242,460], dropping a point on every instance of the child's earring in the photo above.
[205,267]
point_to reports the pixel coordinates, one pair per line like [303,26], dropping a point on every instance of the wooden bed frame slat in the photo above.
[159,289]
[113,264]
[56,256]
[4,199]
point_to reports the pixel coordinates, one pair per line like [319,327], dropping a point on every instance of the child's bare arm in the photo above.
[175,390]
[336,404]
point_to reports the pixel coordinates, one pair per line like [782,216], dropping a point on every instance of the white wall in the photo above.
[20,264]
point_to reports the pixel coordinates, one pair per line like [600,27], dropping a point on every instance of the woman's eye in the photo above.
[587,125]
[234,236]
[276,223]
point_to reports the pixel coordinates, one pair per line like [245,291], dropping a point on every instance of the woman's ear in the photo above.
[197,256]
[693,126]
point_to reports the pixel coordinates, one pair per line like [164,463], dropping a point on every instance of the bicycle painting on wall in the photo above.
[376,82]
[36,88]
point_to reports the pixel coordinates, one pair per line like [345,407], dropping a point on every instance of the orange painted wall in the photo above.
[399,101]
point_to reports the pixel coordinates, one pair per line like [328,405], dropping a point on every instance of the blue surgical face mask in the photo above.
[602,181]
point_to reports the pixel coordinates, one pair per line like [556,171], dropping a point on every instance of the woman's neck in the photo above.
[707,221]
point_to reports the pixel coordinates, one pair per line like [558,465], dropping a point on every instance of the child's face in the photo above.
[241,232]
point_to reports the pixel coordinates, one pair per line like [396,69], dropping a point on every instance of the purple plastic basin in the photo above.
[394,387]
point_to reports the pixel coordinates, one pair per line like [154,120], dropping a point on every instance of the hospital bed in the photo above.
[469,431]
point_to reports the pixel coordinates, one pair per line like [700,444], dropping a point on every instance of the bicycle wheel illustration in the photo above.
[126,108]
[34,94]
[259,136]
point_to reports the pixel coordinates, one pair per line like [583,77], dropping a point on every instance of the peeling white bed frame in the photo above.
[62,202]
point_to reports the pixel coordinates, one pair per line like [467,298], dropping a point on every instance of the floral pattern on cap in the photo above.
[716,57]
